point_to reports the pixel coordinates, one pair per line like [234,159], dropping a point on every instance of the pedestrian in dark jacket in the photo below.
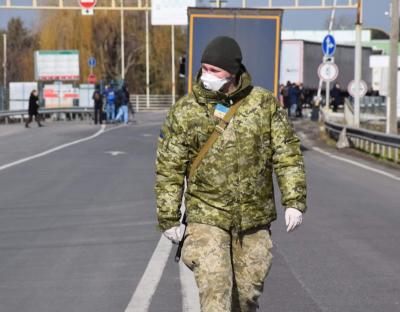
[123,96]
[293,98]
[33,109]
[98,107]
[336,95]
[285,94]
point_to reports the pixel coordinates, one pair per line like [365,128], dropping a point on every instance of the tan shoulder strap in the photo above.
[219,129]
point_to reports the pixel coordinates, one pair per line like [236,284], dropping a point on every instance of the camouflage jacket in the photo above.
[232,187]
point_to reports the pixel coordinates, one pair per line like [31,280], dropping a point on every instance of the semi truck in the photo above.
[300,61]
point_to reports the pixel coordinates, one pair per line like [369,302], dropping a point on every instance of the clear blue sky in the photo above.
[374,14]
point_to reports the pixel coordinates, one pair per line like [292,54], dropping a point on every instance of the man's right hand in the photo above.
[173,234]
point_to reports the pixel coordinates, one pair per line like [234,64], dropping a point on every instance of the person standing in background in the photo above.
[110,106]
[300,101]
[336,96]
[293,98]
[33,109]
[123,96]
[98,106]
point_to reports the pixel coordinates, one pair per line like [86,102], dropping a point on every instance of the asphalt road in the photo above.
[78,228]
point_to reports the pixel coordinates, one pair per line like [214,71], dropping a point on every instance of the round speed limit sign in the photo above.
[328,72]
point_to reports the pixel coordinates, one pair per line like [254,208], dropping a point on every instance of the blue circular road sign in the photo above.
[92,62]
[329,45]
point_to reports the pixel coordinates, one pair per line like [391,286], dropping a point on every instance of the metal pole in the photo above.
[173,62]
[320,85]
[328,84]
[391,105]
[357,66]
[327,93]
[244,3]
[122,42]
[4,70]
[147,58]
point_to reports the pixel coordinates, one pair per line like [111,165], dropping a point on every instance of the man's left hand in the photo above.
[293,218]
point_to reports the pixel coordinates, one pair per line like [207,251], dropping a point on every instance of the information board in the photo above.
[57,65]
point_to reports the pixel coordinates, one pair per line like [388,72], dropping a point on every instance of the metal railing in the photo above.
[83,112]
[376,143]
[156,102]
[371,105]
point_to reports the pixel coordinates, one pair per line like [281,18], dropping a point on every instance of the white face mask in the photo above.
[212,82]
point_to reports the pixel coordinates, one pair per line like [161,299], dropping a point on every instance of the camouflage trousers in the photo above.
[229,269]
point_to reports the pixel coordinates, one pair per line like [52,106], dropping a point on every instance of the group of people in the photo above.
[113,102]
[292,97]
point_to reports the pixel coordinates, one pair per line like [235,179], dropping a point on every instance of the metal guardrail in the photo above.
[156,102]
[84,111]
[377,143]
[370,105]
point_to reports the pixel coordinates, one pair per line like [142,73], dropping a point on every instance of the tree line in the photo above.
[99,36]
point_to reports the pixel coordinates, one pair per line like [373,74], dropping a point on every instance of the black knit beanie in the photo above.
[223,52]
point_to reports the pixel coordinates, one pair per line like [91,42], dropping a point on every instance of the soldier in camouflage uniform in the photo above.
[230,199]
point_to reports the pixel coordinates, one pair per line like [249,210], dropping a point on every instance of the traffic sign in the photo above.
[328,72]
[329,45]
[92,61]
[92,78]
[353,90]
[87,4]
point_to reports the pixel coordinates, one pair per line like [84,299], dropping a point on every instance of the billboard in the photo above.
[60,95]
[171,12]
[256,30]
[20,93]
[85,95]
[60,65]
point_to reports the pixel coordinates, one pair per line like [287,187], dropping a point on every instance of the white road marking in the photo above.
[358,164]
[115,153]
[141,298]
[21,161]
[190,293]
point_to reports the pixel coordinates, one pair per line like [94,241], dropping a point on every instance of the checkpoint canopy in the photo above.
[256,30]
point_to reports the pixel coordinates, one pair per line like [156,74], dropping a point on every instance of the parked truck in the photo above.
[300,61]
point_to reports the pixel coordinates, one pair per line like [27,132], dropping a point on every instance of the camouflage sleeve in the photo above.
[287,159]
[171,165]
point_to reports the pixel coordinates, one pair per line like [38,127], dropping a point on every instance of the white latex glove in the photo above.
[173,234]
[293,218]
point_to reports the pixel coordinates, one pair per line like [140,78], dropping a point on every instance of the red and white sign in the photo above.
[353,89]
[60,95]
[91,78]
[328,72]
[87,4]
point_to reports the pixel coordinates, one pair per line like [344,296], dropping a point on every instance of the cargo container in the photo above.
[300,61]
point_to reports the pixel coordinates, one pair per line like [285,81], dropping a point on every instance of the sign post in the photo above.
[91,63]
[329,48]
